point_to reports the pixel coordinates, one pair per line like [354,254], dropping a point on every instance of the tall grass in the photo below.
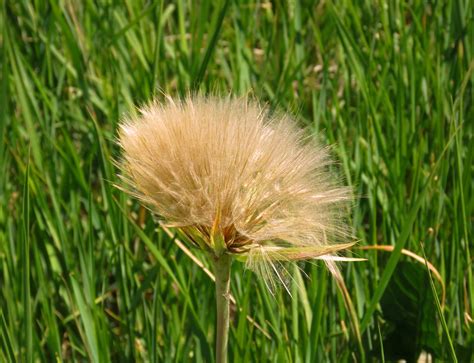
[86,275]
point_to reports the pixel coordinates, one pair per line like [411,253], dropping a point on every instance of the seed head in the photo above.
[234,178]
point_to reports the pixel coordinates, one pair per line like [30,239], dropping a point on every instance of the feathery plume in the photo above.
[235,179]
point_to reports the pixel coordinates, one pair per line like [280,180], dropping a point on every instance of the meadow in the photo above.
[87,274]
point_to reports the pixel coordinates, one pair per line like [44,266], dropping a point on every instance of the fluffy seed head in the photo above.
[235,178]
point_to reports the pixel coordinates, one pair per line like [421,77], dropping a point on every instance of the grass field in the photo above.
[86,275]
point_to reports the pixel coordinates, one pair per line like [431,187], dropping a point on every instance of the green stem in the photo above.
[222,272]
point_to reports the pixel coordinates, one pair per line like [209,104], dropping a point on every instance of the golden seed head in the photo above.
[235,178]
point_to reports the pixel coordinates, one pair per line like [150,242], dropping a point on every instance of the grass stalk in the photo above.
[222,266]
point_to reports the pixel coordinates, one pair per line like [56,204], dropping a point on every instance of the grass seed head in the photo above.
[235,178]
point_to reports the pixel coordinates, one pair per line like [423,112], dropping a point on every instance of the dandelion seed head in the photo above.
[235,178]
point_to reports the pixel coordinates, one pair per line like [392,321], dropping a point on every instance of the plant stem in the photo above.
[222,271]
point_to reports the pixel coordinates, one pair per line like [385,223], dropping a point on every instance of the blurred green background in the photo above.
[86,275]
